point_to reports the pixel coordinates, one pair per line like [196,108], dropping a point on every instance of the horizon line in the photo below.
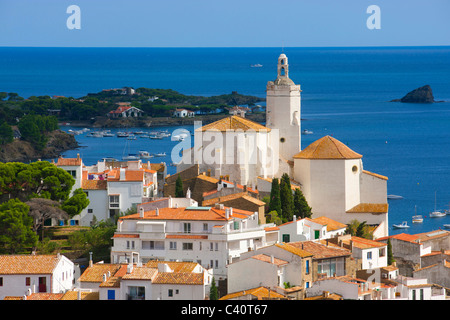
[225,47]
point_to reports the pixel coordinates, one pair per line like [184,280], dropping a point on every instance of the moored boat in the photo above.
[402,225]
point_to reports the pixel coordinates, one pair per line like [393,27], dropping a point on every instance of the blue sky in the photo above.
[230,23]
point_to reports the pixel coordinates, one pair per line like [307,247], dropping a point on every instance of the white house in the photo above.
[210,236]
[125,110]
[418,289]
[271,266]
[345,286]
[110,190]
[156,280]
[310,229]
[373,254]
[182,113]
[22,275]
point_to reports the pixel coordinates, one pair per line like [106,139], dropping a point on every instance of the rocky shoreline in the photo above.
[23,151]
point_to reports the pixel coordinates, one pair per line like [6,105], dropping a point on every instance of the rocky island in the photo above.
[420,95]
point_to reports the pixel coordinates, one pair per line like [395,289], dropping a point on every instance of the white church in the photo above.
[330,174]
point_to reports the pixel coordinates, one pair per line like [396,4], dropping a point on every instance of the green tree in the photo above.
[390,255]
[359,229]
[213,291]
[76,203]
[15,227]
[301,207]
[275,200]
[272,217]
[286,198]
[179,188]
[6,134]
[42,209]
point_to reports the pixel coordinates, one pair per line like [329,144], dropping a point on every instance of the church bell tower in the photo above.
[283,110]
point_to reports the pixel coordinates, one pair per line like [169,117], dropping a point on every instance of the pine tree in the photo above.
[213,291]
[286,198]
[301,207]
[275,201]
[179,188]
[390,256]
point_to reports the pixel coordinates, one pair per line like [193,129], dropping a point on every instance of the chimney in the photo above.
[170,201]
[78,156]
[122,173]
[141,212]
[90,259]
[78,295]
[272,260]
[157,212]
[104,277]
[130,268]
[294,218]
[227,213]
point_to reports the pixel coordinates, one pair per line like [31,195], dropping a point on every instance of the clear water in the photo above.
[345,94]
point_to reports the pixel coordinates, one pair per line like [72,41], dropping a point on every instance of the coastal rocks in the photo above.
[23,151]
[420,95]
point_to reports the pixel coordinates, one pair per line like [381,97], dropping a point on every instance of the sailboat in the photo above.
[402,225]
[436,213]
[416,218]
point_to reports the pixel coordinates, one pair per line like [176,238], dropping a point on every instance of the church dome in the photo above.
[283,81]
[327,148]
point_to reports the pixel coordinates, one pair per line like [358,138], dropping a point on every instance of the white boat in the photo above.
[416,218]
[447,226]
[95,135]
[131,157]
[394,197]
[156,137]
[108,134]
[163,154]
[122,134]
[144,136]
[131,137]
[145,155]
[307,132]
[403,225]
[257,65]
[436,213]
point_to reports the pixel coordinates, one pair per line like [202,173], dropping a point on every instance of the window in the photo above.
[27,281]
[128,244]
[170,293]
[205,227]
[211,246]
[187,246]
[187,227]
[216,246]
[382,252]
[307,267]
[90,210]
[177,291]
[369,255]
[155,245]
[114,201]
[73,173]
[217,264]
[355,169]
[173,245]
[1,281]
[236,225]
[286,238]
[136,293]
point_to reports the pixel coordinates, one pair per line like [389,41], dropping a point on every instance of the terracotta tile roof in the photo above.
[85,295]
[233,196]
[233,123]
[96,272]
[189,213]
[176,266]
[94,184]
[330,223]
[179,236]
[376,175]
[141,273]
[126,236]
[431,235]
[292,248]
[266,258]
[187,278]
[28,264]
[321,251]
[69,161]
[45,296]
[270,229]
[260,293]
[362,243]
[130,175]
[369,208]
[327,148]
[403,237]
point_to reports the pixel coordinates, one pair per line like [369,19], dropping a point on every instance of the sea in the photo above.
[346,94]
